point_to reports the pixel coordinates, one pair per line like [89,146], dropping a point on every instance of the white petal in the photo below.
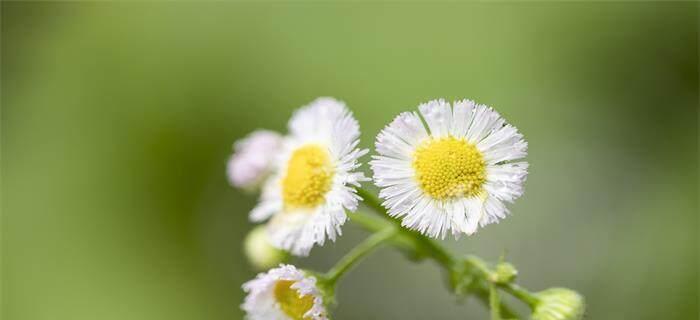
[505,181]
[253,157]
[438,116]
[328,123]
[462,116]
[485,121]
[260,303]
[498,142]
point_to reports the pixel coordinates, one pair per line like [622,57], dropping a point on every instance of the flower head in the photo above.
[252,159]
[453,174]
[260,252]
[558,304]
[283,293]
[315,180]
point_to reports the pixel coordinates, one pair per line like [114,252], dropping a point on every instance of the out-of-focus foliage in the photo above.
[118,118]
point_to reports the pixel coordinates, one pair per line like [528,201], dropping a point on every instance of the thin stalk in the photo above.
[515,290]
[479,265]
[425,245]
[521,293]
[373,223]
[483,295]
[494,302]
[357,253]
[430,248]
[368,222]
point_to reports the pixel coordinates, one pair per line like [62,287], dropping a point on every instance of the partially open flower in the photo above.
[454,175]
[252,160]
[558,304]
[316,177]
[260,252]
[283,293]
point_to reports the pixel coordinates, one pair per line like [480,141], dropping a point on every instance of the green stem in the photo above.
[517,291]
[479,265]
[357,253]
[375,224]
[427,247]
[483,295]
[494,302]
[368,222]
[521,293]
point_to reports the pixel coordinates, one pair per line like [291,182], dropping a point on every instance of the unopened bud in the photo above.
[260,252]
[558,304]
[505,273]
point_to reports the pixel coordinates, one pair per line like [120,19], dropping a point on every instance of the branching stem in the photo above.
[484,283]
[357,253]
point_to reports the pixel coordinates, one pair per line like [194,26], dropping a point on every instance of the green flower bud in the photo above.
[505,273]
[260,253]
[558,304]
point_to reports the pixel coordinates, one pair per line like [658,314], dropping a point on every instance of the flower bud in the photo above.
[260,253]
[251,161]
[505,273]
[558,304]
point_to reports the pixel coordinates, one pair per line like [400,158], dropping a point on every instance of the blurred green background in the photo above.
[118,118]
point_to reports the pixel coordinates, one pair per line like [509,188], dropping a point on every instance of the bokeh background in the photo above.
[118,118]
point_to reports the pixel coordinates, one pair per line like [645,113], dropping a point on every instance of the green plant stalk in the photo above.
[406,241]
[494,302]
[521,293]
[356,254]
[426,247]
[375,224]
[515,290]
[483,294]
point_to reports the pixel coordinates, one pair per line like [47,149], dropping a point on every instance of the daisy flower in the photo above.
[316,179]
[452,173]
[251,161]
[283,293]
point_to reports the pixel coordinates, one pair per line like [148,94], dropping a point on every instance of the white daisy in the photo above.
[453,173]
[251,161]
[283,293]
[315,180]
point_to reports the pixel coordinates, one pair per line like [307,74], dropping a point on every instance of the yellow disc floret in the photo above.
[289,300]
[449,168]
[308,178]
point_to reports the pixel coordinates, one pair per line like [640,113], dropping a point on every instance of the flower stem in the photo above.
[357,253]
[484,296]
[375,224]
[425,246]
[521,293]
[494,302]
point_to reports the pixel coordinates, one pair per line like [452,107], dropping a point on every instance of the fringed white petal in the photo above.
[328,123]
[438,116]
[253,159]
[401,136]
[480,125]
[260,303]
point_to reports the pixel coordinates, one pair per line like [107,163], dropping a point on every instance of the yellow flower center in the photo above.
[289,300]
[449,168]
[308,178]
